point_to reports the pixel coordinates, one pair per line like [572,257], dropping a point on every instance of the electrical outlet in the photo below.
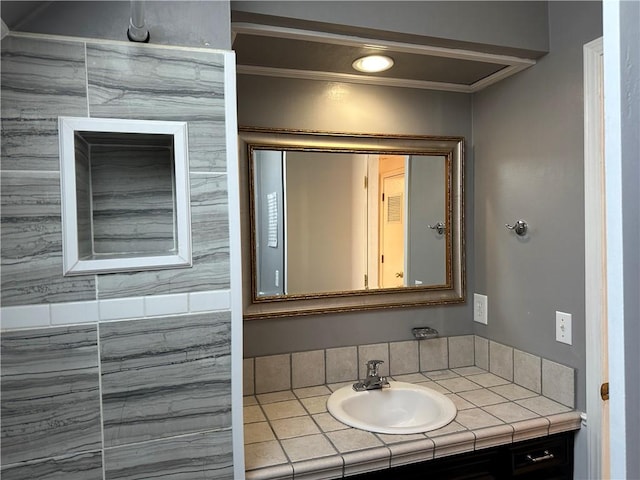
[563,327]
[480,308]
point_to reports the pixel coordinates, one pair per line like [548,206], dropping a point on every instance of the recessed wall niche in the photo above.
[125,195]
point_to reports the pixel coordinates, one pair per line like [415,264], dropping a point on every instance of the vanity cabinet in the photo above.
[547,458]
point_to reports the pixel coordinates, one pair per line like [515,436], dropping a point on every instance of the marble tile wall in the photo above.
[131,376]
[133,199]
[45,79]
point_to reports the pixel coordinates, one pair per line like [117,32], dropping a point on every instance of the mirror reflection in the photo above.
[331,221]
[337,222]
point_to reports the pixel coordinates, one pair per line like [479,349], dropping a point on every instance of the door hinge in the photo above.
[381,258]
[383,197]
[604,391]
[366,182]
[366,281]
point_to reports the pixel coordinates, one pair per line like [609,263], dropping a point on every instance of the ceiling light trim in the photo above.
[386,45]
[352,78]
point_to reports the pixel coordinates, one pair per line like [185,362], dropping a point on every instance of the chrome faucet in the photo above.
[373,381]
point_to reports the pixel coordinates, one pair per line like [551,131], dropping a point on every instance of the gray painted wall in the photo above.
[483,23]
[333,106]
[185,23]
[528,138]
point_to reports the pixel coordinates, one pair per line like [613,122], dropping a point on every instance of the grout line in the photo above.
[157,440]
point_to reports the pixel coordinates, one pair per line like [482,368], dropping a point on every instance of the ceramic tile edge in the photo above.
[493,436]
[362,461]
[22,317]
[530,428]
[319,467]
[276,472]
[411,452]
[563,422]
[453,443]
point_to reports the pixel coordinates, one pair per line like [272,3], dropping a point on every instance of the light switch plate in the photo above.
[480,308]
[563,327]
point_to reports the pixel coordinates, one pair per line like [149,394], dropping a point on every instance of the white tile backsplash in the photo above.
[75,312]
[25,316]
[209,301]
[129,308]
[166,304]
[120,308]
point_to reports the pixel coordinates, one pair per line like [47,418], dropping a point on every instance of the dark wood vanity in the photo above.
[543,458]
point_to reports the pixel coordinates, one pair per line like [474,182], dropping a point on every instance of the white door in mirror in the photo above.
[401,409]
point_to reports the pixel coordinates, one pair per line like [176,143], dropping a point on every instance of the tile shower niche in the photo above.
[125,195]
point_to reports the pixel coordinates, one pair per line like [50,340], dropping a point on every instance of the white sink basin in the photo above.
[402,408]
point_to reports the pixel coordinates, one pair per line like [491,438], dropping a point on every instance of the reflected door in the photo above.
[392,230]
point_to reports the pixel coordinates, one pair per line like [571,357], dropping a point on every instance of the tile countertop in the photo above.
[290,434]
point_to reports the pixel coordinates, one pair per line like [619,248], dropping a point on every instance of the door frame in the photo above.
[595,261]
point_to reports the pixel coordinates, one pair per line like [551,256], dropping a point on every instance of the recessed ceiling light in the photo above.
[373,63]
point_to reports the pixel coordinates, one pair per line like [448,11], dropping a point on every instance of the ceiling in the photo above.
[294,53]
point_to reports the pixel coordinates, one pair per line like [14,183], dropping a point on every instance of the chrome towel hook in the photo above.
[520,227]
[438,227]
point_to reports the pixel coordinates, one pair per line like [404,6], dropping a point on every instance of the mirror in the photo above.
[337,222]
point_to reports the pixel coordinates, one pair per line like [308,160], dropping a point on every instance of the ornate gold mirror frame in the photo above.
[452,148]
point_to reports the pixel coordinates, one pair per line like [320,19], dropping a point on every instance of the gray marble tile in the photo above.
[41,80]
[83,197]
[165,376]
[191,457]
[50,395]
[76,466]
[210,243]
[133,199]
[32,243]
[139,81]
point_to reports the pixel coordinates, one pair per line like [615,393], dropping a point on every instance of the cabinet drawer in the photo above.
[549,454]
